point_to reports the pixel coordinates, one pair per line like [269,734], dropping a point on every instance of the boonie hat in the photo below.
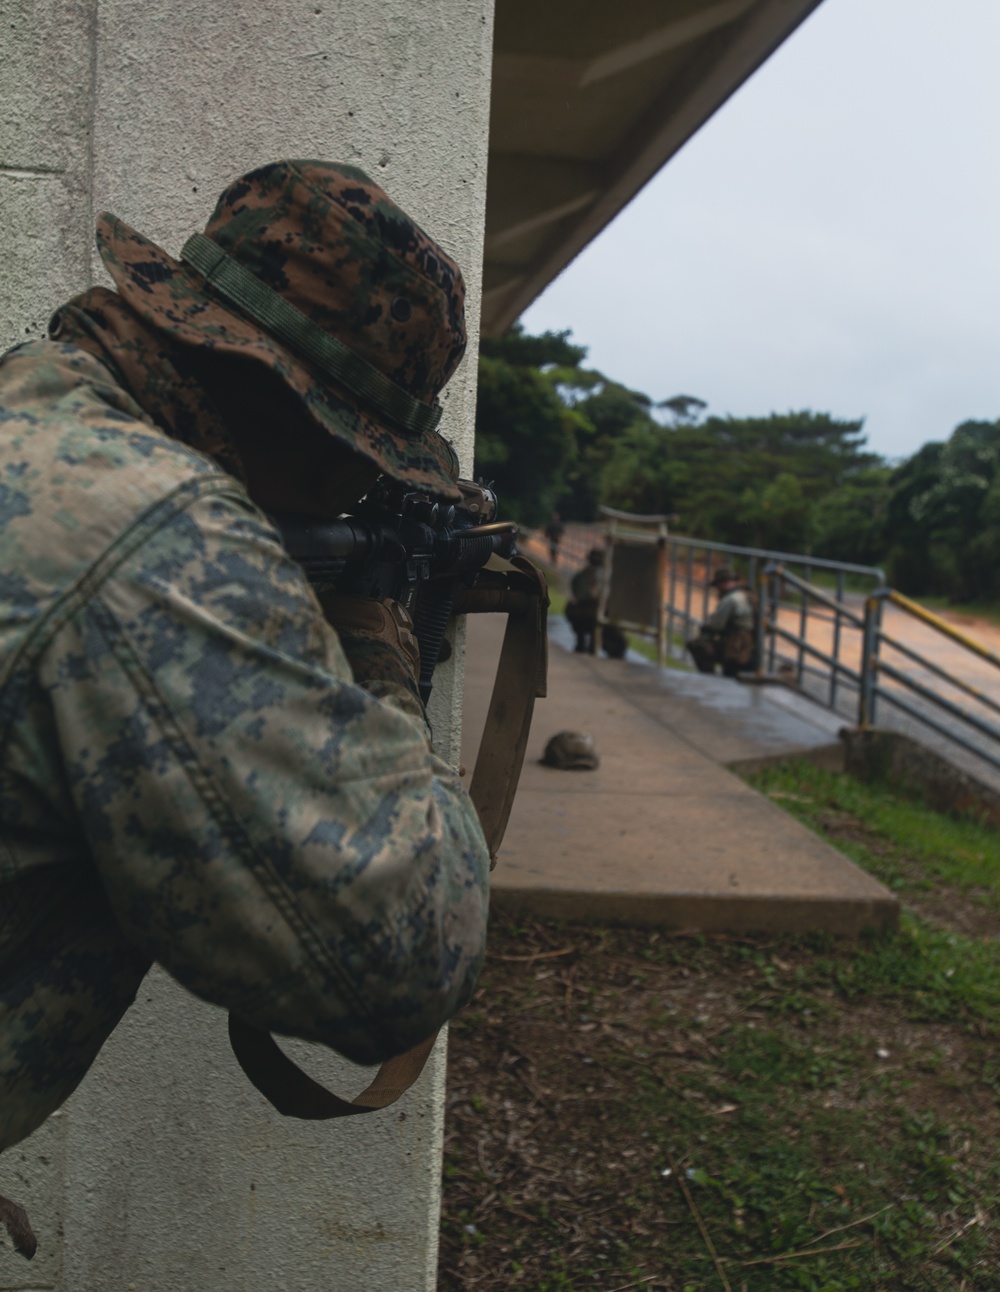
[571,750]
[309,268]
[723,575]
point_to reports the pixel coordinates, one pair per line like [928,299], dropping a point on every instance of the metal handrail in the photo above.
[817,594]
[796,558]
[926,720]
[935,621]
[866,671]
[682,614]
[940,672]
[874,669]
[809,649]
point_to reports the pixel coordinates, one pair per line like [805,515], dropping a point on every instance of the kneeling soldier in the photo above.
[726,636]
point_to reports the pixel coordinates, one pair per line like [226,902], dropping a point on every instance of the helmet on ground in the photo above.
[571,750]
[310,269]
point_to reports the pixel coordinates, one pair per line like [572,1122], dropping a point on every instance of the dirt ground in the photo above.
[604,1082]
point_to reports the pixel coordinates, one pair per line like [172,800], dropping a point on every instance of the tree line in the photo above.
[555,435]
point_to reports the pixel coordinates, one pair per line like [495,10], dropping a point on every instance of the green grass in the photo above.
[832,1108]
[909,847]
[557,600]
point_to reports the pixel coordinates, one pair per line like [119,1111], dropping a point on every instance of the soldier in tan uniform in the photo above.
[726,637]
[197,768]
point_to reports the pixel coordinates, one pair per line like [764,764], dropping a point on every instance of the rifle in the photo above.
[406,546]
[432,558]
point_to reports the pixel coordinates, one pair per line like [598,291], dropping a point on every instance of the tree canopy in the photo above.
[555,434]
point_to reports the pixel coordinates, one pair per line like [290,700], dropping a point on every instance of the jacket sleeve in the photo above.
[283,842]
[718,620]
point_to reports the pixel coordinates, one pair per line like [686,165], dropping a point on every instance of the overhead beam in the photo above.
[530,192]
[671,36]
[577,72]
[725,60]
[532,223]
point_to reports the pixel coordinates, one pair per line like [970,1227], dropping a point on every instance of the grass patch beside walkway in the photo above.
[628,1109]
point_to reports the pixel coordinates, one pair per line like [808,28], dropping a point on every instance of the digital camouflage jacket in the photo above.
[188,772]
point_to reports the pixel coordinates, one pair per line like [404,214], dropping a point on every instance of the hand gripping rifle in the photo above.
[436,560]
[408,547]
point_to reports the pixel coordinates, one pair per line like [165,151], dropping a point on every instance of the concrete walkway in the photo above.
[663,834]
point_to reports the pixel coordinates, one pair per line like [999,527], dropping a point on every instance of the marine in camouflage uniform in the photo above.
[196,768]
[726,636]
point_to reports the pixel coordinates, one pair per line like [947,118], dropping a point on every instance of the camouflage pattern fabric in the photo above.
[154,370]
[585,585]
[189,772]
[332,243]
[733,613]
[727,636]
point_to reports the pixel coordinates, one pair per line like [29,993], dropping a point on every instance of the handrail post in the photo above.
[670,602]
[774,597]
[835,653]
[706,583]
[661,618]
[761,615]
[869,662]
[879,597]
[803,625]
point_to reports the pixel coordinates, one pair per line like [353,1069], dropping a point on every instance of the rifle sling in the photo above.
[517,589]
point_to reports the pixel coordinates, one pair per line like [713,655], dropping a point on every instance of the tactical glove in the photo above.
[379,642]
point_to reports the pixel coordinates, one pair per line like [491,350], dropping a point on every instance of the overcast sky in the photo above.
[829,240]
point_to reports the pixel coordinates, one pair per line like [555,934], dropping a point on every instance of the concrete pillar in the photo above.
[166,1171]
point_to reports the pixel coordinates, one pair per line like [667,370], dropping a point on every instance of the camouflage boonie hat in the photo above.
[571,750]
[309,268]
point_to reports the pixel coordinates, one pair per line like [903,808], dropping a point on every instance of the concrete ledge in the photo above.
[662,834]
[830,758]
[704,912]
[897,759]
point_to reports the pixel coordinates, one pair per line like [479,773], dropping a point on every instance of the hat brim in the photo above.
[172,297]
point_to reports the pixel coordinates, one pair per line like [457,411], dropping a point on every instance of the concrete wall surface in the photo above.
[166,1171]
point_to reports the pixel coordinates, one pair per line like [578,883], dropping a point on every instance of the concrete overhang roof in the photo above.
[589,99]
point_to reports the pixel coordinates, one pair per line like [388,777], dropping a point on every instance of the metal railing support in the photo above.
[837,619]
[828,661]
[869,646]
[760,587]
[803,626]
[670,599]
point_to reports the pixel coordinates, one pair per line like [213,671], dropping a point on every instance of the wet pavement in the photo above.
[663,833]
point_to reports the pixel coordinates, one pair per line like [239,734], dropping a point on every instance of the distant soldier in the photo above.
[554,531]
[581,610]
[726,636]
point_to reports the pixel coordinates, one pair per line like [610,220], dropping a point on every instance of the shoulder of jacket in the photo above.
[80,464]
[73,434]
